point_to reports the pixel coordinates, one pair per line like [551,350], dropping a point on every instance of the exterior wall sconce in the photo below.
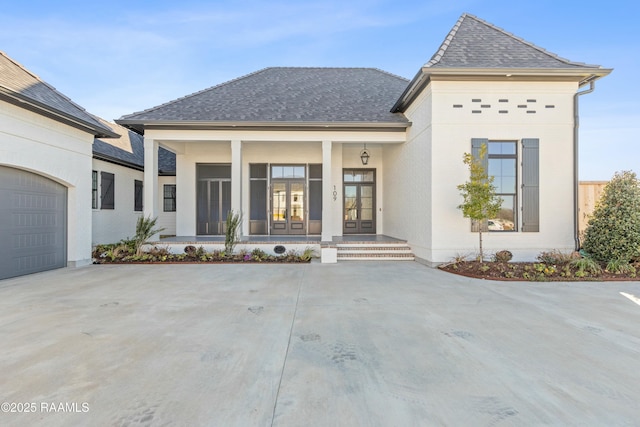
[364,155]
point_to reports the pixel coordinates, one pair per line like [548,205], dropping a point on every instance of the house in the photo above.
[339,151]
[45,165]
[117,186]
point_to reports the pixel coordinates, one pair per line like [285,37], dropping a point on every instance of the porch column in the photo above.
[150,183]
[236,180]
[327,193]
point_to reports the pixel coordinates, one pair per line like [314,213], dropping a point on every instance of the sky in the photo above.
[117,57]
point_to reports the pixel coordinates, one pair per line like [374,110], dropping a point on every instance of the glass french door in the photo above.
[288,210]
[359,202]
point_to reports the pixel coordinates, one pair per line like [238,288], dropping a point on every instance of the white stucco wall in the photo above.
[35,143]
[408,181]
[166,220]
[112,225]
[452,131]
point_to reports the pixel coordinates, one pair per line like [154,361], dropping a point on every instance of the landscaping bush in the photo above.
[503,256]
[613,232]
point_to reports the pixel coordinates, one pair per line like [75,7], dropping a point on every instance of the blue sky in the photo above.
[117,57]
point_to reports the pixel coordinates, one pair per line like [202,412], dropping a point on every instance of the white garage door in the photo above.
[33,223]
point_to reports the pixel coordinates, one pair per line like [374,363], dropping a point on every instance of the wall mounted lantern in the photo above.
[364,155]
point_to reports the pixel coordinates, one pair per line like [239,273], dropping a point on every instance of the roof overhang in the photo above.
[140,125]
[54,114]
[427,74]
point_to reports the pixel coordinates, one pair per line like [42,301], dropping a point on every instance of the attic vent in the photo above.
[476,100]
[531,100]
[485,106]
[457,105]
[522,106]
[503,111]
[503,100]
[476,111]
[531,111]
[549,106]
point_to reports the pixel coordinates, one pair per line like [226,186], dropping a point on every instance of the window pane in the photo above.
[504,173]
[502,148]
[258,194]
[315,200]
[205,171]
[298,172]
[279,201]
[505,221]
[315,171]
[258,171]
[277,172]
[367,176]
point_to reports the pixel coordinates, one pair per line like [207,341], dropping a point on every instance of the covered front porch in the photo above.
[285,184]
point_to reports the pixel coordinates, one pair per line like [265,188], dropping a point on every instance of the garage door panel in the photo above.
[32,223]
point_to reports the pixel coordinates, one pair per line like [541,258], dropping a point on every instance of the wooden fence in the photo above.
[588,195]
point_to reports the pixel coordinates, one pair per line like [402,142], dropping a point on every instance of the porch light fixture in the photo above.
[364,155]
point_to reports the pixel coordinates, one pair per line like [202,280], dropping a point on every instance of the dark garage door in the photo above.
[33,223]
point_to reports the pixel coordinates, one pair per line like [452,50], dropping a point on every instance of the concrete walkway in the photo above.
[349,344]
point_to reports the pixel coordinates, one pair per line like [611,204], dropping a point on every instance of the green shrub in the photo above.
[620,266]
[613,232]
[231,236]
[144,231]
[503,256]
[556,257]
[586,265]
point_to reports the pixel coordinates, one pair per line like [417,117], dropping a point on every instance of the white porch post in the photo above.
[236,180]
[327,193]
[150,184]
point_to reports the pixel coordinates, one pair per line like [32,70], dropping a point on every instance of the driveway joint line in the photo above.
[286,354]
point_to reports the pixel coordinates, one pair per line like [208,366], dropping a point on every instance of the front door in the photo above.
[214,203]
[288,207]
[359,201]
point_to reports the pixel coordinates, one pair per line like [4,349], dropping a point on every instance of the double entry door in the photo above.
[359,201]
[288,206]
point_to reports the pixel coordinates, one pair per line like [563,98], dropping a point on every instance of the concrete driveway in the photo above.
[349,344]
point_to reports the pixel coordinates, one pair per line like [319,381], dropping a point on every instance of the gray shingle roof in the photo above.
[474,43]
[288,94]
[23,88]
[128,150]
[474,47]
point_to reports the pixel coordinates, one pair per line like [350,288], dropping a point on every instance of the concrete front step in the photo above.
[374,251]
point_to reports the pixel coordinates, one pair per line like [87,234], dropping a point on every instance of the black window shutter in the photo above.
[476,144]
[530,184]
[137,203]
[107,194]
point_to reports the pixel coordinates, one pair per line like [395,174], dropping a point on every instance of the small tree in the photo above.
[480,201]
[144,231]
[613,232]
[231,237]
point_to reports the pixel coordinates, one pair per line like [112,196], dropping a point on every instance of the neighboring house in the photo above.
[338,151]
[45,170]
[117,186]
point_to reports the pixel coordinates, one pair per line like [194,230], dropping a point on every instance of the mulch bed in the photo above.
[528,271]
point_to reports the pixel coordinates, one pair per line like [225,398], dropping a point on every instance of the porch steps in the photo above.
[374,251]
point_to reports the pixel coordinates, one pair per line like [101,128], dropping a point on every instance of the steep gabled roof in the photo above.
[477,48]
[286,96]
[128,150]
[24,89]
[475,43]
